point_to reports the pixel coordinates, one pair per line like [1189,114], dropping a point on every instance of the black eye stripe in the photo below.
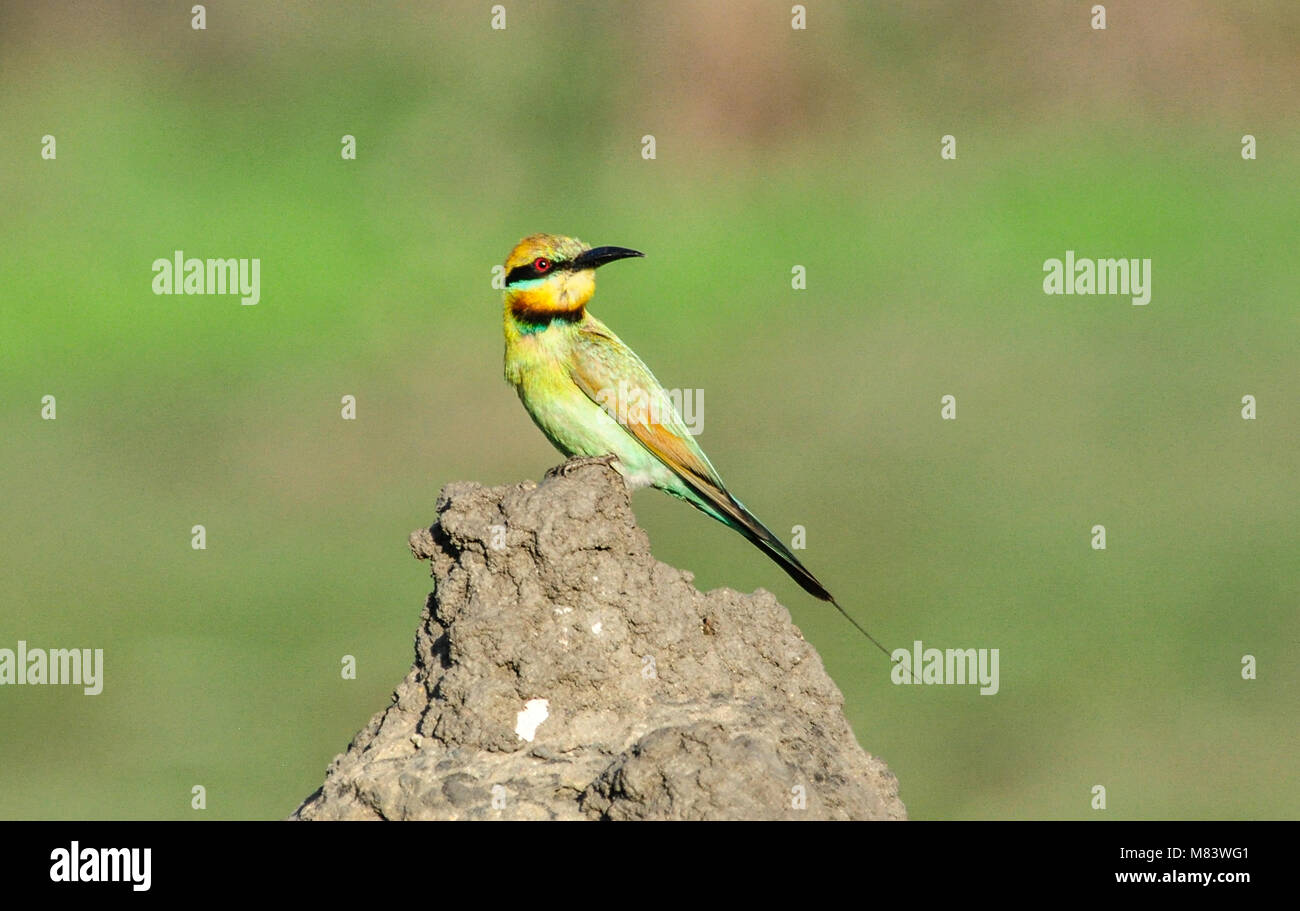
[528,271]
[521,273]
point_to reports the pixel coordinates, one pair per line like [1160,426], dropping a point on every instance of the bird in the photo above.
[595,400]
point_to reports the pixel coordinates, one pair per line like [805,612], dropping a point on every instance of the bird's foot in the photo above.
[563,470]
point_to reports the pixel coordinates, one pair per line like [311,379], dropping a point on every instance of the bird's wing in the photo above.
[612,376]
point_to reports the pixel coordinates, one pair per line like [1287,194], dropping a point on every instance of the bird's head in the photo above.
[549,276]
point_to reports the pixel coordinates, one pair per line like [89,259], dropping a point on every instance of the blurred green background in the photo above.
[775,147]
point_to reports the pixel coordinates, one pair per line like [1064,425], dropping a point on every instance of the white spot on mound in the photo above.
[530,719]
[597,627]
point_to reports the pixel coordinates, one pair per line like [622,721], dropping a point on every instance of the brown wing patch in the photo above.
[680,455]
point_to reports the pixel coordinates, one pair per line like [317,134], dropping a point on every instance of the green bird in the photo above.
[594,398]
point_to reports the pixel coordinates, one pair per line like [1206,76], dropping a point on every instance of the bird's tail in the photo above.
[733,514]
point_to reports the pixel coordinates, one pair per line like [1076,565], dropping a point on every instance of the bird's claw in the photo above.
[562,470]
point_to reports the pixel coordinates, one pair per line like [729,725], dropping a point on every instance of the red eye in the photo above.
[541,264]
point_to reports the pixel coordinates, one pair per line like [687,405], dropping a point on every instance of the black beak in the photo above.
[597,257]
